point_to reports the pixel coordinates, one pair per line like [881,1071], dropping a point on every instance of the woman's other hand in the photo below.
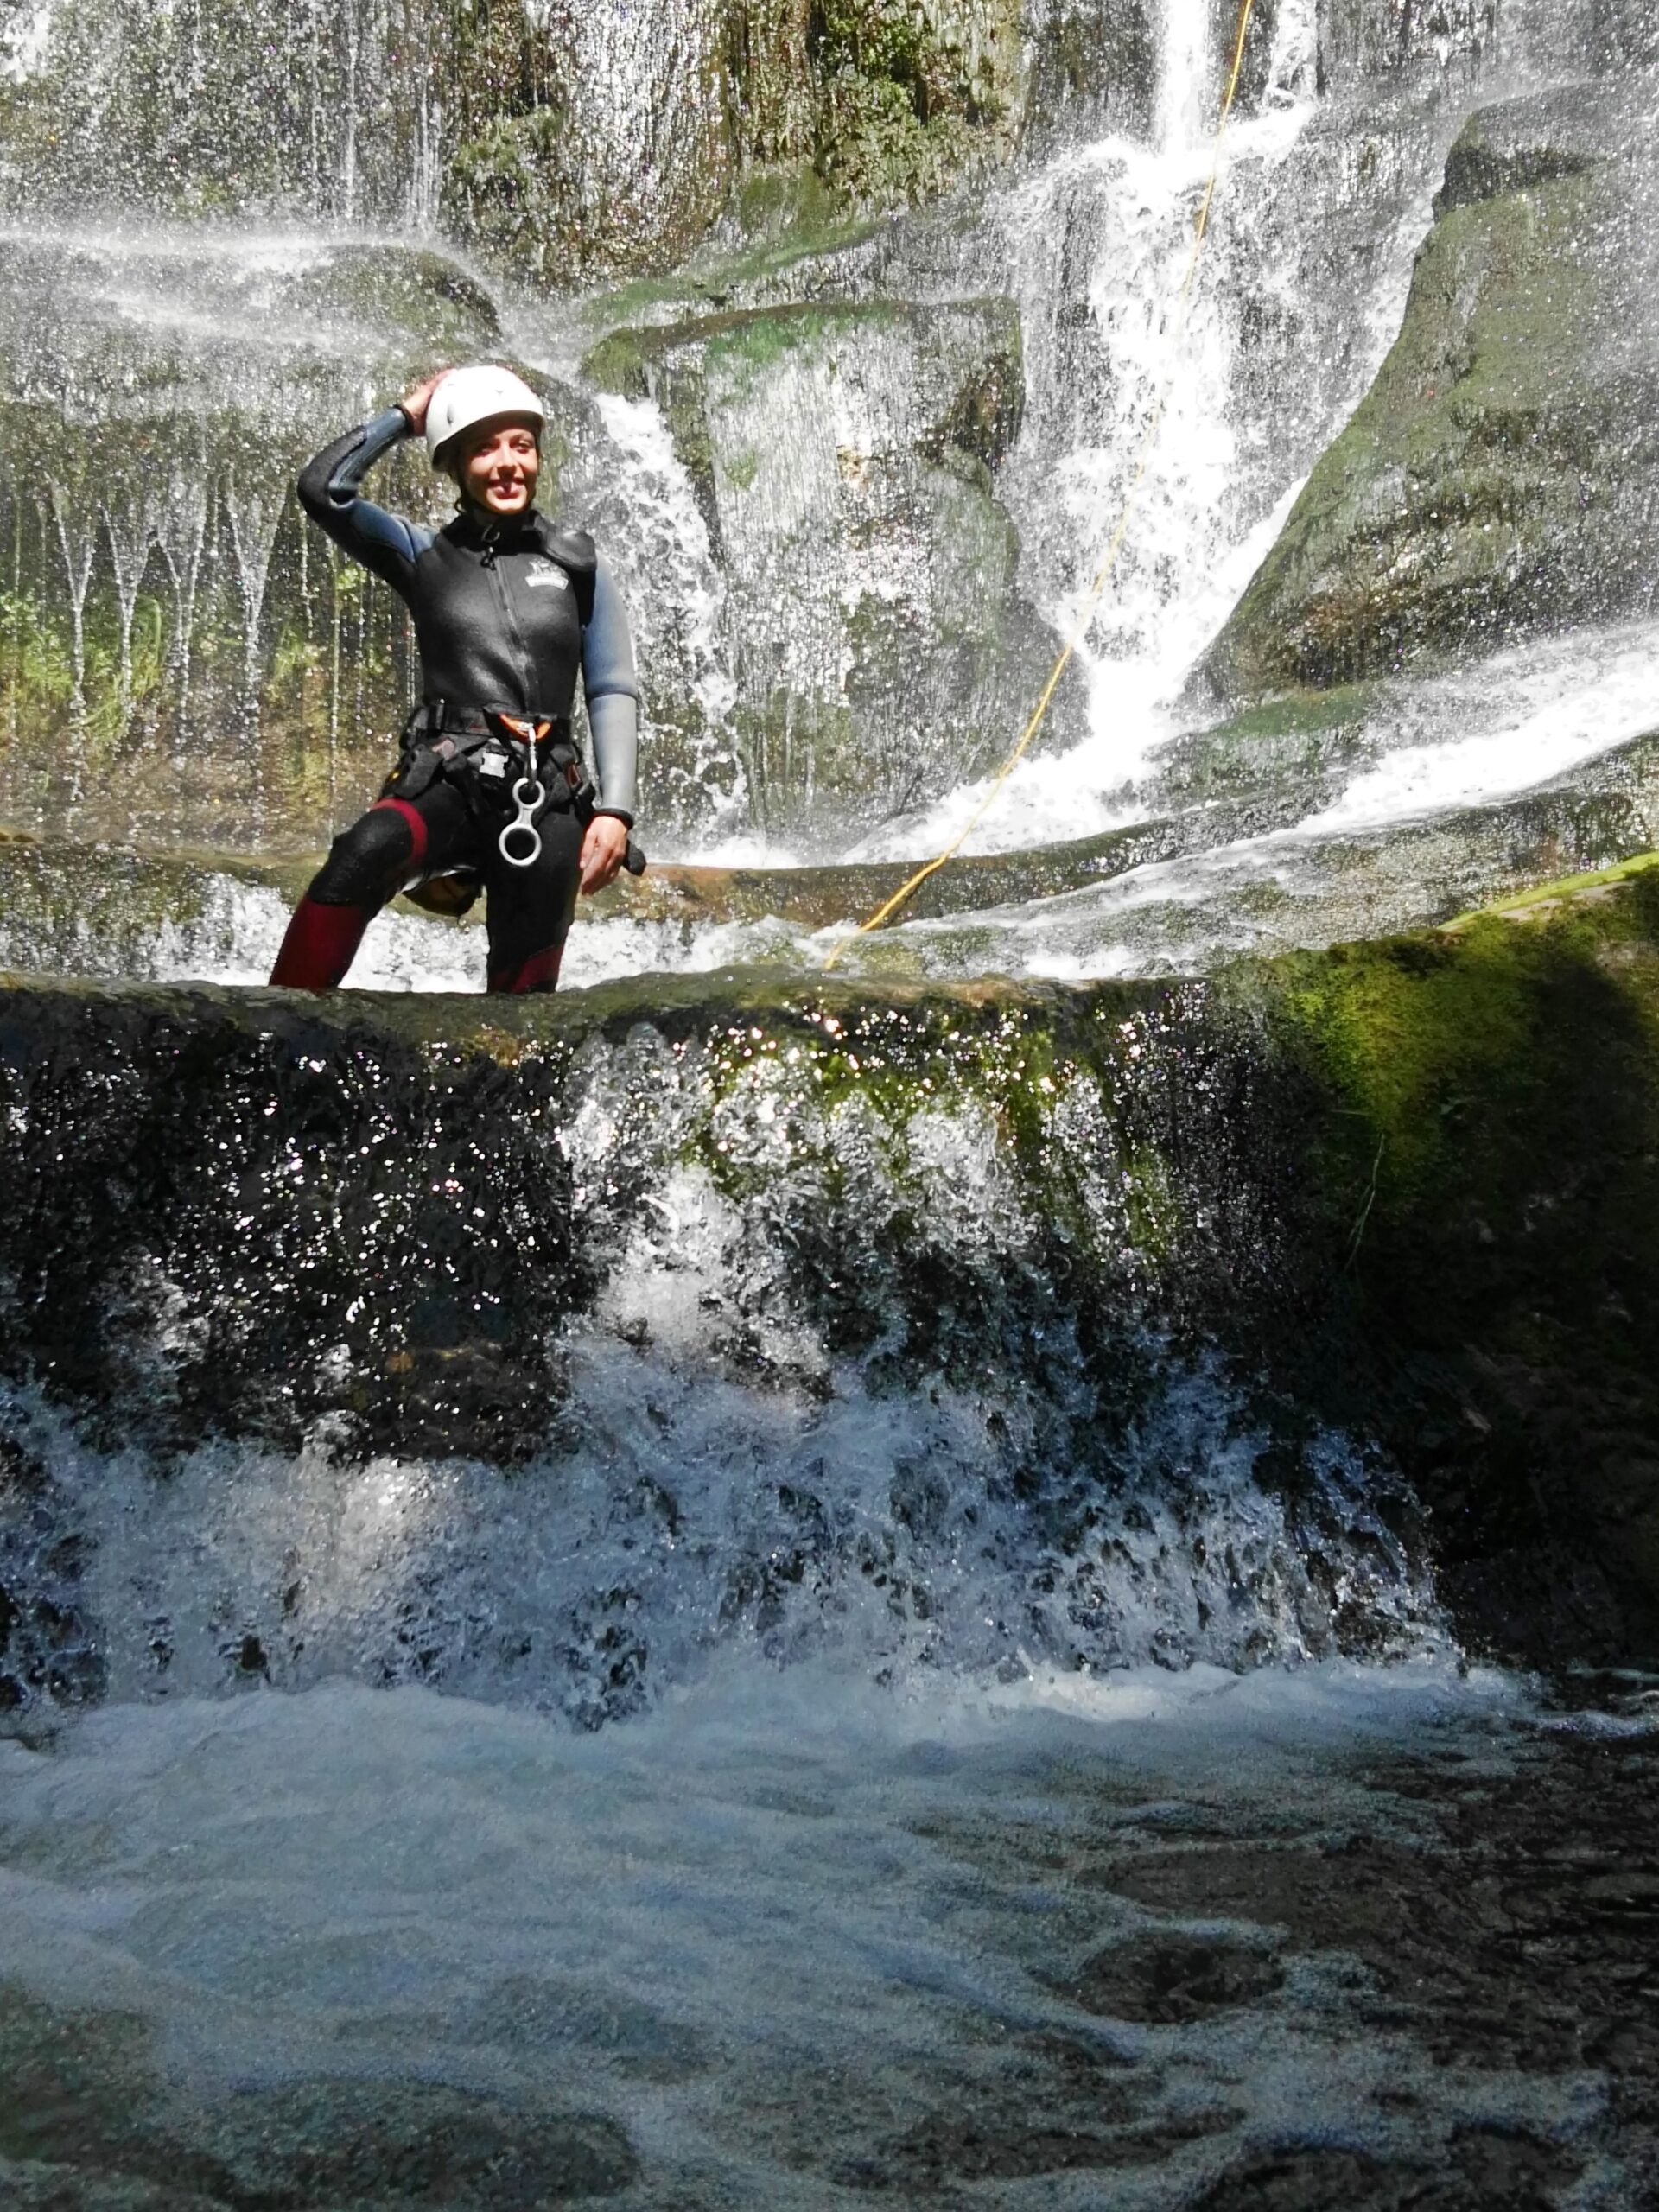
[602,848]
[415,402]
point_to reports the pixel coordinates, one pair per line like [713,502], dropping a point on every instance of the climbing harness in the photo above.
[487,747]
[1102,575]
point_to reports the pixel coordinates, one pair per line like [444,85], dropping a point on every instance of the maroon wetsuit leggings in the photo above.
[400,843]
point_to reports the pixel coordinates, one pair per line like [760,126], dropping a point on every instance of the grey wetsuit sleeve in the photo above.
[612,694]
[329,491]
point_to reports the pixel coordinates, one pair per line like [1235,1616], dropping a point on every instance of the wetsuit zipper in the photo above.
[491,551]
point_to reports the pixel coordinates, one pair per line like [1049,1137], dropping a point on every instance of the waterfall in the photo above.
[744,1591]
[641,497]
[643,1351]
[1185,111]
[776,700]
[1097,245]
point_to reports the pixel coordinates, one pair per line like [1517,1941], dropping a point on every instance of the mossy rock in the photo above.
[1408,1187]
[845,457]
[1501,476]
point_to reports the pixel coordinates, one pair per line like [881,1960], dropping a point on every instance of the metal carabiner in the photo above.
[523,824]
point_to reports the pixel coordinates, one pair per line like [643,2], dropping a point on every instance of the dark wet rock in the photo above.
[1165,1979]
[48,1648]
[89,2117]
[1499,478]
[1474,1943]
[1094,68]
[1372,41]
[1050,2109]
[36,2186]
[1500,1941]
[550,2019]
[1315,2180]
[378,2142]
[383,1234]
[971,2150]
[1623,32]
[1491,2172]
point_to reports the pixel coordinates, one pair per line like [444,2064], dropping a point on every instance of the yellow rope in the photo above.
[1103,574]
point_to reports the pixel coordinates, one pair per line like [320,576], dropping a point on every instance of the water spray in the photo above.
[1109,563]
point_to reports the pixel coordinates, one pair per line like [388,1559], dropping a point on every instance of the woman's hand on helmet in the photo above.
[602,850]
[415,402]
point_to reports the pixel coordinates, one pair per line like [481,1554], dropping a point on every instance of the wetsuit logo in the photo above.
[546,572]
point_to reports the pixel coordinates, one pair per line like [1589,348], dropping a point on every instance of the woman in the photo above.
[506,607]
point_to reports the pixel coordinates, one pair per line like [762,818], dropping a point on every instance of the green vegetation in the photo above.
[1530,902]
[1294,738]
[913,96]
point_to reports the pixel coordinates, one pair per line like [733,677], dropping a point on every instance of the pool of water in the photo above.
[1336,1936]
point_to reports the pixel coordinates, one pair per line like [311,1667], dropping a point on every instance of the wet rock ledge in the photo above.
[1411,1187]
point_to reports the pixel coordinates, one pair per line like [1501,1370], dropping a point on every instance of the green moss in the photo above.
[741,341]
[789,210]
[617,364]
[912,98]
[704,285]
[1451,1057]
[1287,743]
[1531,902]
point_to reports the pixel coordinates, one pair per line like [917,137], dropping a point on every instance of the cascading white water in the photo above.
[641,499]
[1097,246]
[1187,72]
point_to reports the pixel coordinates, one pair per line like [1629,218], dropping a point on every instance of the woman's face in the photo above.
[498,465]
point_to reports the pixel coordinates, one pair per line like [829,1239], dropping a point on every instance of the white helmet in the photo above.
[479,394]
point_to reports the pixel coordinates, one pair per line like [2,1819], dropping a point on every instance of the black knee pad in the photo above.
[367,862]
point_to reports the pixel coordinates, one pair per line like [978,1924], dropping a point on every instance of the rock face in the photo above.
[1093,66]
[1411,1184]
[844,459]
[1502,475]
[1371,39]
[567,138]
[554,139]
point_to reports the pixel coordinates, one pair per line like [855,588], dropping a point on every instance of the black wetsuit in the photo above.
[507,614]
